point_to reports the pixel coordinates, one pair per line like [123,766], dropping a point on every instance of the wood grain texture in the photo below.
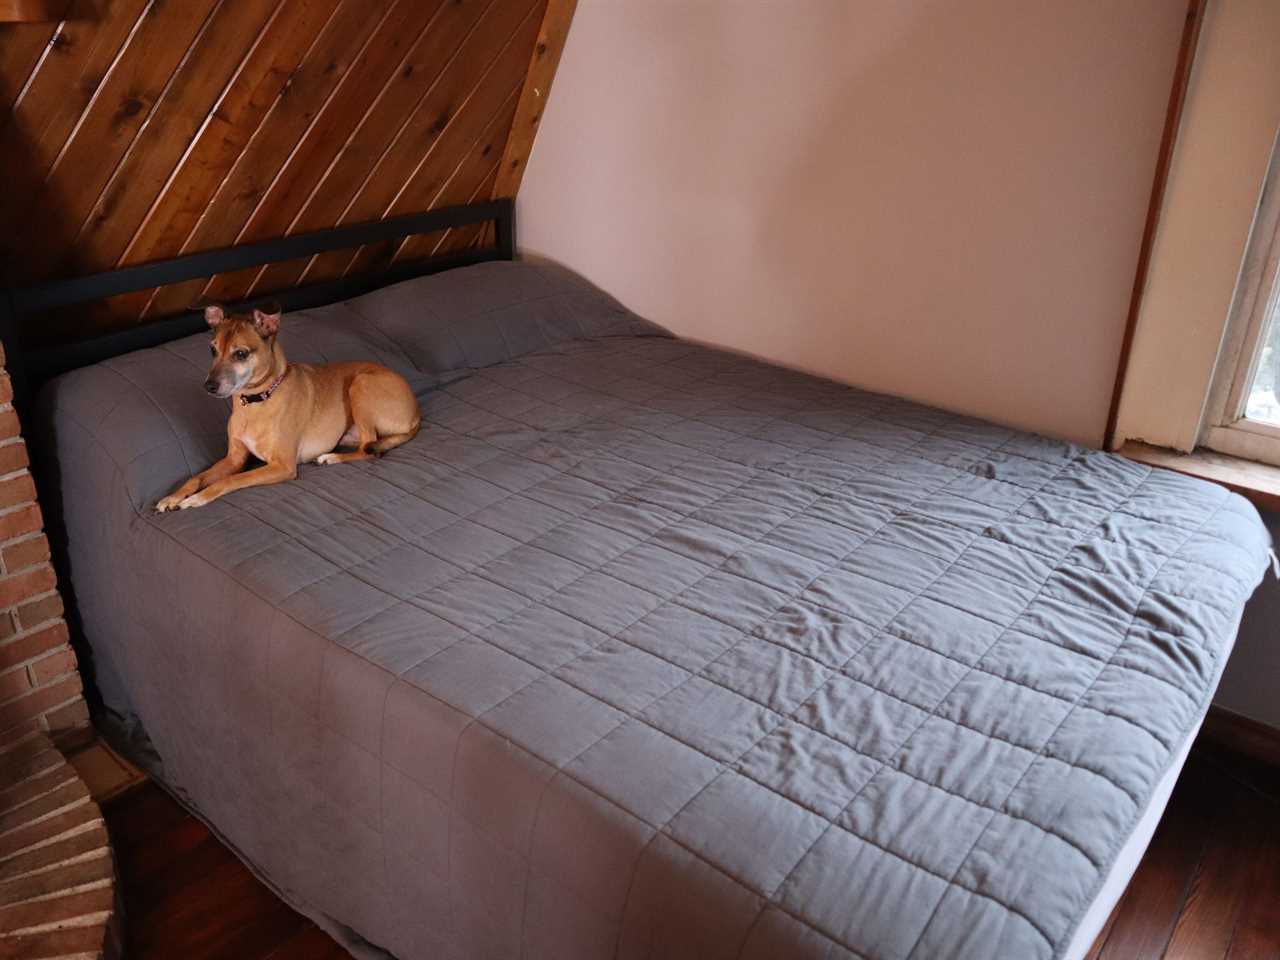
[1164,159]
[30,11]
[1209,882]
[1259,482]
[533,95]
[136,130]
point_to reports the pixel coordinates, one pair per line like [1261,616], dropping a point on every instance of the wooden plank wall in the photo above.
[136,130]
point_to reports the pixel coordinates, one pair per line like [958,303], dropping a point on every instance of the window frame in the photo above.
[1225,428]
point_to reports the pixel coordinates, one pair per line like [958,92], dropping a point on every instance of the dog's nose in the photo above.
[211,385]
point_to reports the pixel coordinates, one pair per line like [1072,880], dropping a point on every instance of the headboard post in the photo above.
[505,224]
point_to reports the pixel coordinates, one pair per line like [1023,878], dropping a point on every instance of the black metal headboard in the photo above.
[30,368]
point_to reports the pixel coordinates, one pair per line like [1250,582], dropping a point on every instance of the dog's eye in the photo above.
[241,354]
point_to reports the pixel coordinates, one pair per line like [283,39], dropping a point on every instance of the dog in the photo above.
[286,414]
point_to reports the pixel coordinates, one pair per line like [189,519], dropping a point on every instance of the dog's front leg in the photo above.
[277,472]
[237,456]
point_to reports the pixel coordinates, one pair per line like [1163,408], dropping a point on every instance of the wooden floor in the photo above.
[1208,888]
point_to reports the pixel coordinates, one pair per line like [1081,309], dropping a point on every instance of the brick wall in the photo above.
[39,683]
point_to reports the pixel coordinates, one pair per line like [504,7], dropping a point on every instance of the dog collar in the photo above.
[248,398]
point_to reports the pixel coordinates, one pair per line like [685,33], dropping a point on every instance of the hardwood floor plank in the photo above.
[309,943]
[1099,944]
[1257,932]
[1219,890]
[1145,918]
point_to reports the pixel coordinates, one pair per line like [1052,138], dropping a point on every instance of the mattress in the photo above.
[645,649]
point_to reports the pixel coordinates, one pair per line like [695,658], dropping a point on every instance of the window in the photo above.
[1243,413]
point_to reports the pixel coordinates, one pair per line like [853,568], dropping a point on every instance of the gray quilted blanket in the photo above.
[644,649]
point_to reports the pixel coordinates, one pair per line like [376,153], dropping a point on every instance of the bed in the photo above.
[647,649]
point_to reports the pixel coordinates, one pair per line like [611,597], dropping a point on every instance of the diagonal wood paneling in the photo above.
[140,129]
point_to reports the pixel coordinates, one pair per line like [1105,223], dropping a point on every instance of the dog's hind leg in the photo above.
[363,450]
[393,440]
[373,411]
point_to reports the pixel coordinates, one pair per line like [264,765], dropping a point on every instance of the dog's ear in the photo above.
[214,315]
[267,322]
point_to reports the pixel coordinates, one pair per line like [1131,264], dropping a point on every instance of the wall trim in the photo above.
[1164,160]
[1241,735]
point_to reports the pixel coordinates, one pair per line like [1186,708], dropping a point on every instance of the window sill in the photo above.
[1258,482]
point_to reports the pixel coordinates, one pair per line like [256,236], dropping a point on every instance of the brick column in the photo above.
[39,683]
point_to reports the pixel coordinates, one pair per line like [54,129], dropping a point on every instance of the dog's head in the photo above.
[242,348]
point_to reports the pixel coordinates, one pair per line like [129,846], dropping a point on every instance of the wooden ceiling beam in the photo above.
[533,97]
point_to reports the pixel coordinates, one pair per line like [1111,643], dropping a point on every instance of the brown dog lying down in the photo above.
[285,414]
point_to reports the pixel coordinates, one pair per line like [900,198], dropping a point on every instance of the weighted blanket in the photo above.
[645,649]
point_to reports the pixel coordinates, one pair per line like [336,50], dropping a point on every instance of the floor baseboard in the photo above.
[1241,735]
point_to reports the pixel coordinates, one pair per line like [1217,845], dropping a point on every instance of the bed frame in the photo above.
[20,307]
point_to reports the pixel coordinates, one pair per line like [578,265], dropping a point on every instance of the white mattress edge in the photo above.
[1135,847]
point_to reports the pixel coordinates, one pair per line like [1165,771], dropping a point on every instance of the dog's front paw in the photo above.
[195,500]
[328,458]
[171,502]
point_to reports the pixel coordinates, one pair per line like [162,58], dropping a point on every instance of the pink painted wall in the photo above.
[937,198]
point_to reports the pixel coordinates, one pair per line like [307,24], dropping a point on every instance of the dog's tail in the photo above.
[393,440]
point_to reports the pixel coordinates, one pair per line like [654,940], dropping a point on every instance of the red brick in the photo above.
[57,664]
[6,388]
[9,426]
[19,489]
[79,940]
[66,906]
[74,714]
[7,629]
[17,522]
[38,611]
[29,583]
[25,648]
[35,786]
[13,456]
[35,886]
[70,729]
[25,553]
[2,354]
[38,701]
[20,732]
[13,683]
[31,834]
[33,754]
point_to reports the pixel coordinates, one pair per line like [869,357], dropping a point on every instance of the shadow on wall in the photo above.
[1252,678]
[30,216]
[1007,181]
[936,199]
